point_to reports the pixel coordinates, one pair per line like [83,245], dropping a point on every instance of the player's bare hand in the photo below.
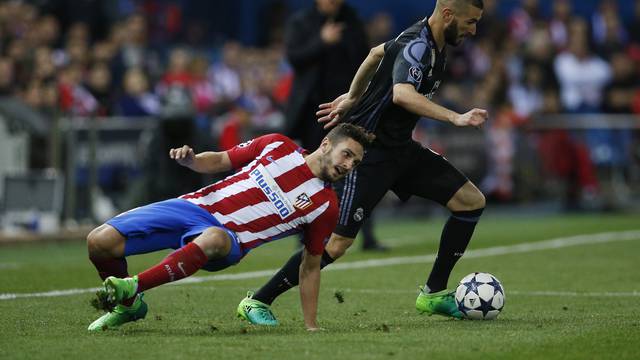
[331,113]
[183,155]
[474,117]
[331,32]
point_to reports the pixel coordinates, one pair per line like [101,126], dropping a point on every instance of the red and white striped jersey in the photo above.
[273,194]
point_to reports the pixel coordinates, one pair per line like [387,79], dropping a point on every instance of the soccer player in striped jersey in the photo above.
[278,190]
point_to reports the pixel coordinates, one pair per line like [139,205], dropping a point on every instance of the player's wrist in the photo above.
[454,118]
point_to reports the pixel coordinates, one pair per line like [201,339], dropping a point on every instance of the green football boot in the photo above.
[115,291]
[440,303]
[256,312]
[120,315]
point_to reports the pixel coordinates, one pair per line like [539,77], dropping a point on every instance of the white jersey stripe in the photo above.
[285,164]
[240,187]
[247,236]
[248,214]
[277,168]
[265,151]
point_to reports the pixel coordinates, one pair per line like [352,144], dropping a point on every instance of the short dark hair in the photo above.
[478,3]
[456,3]
[355,132]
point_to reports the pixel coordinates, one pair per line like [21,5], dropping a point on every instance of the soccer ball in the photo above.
[480,296]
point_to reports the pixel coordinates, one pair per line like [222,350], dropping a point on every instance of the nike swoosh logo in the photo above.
[181,268]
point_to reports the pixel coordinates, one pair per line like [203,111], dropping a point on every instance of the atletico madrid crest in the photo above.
[302,201]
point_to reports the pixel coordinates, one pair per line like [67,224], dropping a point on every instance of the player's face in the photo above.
[462,25]
[340,158]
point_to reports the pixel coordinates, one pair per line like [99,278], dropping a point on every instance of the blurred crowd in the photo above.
[140,62]
[532,64]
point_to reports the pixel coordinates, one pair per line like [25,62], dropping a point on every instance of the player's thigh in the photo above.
[161,225]
[431,177]
[362,190]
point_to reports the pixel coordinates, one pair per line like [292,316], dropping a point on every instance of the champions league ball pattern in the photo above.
[480,296]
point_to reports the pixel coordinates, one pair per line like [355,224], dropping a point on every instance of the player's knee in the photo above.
[214,242]
[477,200]
[104,241]
[469,197]
[338,245]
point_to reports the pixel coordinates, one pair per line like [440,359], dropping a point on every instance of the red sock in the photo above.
[178,265]
[112,267]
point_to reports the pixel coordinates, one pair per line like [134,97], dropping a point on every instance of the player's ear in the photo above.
[325,145]
[447,15]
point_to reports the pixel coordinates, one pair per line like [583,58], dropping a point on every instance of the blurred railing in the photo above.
[585,121]
[97,150]
[521,158]
[102,160]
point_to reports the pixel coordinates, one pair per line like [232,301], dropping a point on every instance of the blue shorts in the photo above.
[168,225]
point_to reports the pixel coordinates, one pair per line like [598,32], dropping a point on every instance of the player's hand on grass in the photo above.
[474,117]
[184,155]
[331,113]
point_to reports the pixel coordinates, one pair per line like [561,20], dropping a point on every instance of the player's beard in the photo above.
[451,33]
[326,165]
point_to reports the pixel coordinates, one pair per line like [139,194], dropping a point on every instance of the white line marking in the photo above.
[405,260]
[9,266]
[577,294]
[53,293]
[635,293]
[509,293]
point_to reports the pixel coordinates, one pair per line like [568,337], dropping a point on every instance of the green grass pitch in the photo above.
[577,298]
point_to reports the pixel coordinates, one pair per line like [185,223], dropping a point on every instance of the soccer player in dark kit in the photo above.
[389,93]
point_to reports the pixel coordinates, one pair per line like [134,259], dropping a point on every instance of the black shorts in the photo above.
[407,171]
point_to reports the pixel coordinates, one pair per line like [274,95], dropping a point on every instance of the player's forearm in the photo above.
[365,72]
[210,162]
[309,289]
[406,96]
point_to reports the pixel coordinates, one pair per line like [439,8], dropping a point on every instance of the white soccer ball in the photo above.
[480,296]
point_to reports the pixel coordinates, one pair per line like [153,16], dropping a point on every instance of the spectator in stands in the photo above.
[224,74]
[178,72]
[581,74]
[614,145]
[523,19]
[137,100]
[203,92]
[633,29]
[325,44]
[75,99]
[237,125]
[99,85]
[606,24]
[559,24]
[133,49]
[615,37]
[492,27]
[380,28]
[6,76]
